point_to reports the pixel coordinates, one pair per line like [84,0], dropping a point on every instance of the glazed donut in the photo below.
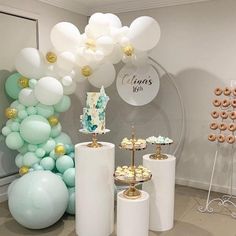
[227,91]
[216,103]
[234,91]
[230,139]
[224,115]
[221,138]
[232,127]
[232,115]
[215,114]
[222,126]
[225,103]
[214,126]
[212,137]
[218,91]
[233,103]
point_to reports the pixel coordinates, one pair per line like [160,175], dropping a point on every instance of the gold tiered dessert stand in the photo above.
[158,155]
[94,143]
[132,192]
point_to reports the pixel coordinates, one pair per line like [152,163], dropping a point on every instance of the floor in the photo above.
[188,221]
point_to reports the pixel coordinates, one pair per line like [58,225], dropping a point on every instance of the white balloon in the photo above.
[124,41]
[69,88]
[29,62]
[51,71]
[144,33]
[66,61]
[99,55]
[116,55]
[48,91]
[140,58]
[99,19]
[103,76]
[105,43]
[117,34]
[67,80]
[27,97]
[65,36]
[114,21]
[96,31]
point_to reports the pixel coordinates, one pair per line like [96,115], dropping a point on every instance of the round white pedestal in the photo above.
[161,189]
[94,189]
[132,215]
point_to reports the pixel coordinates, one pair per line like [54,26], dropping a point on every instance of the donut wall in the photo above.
[223,125]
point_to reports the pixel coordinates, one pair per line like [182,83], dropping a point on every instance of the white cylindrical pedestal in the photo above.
[132,215]
[161,189]
[94,189]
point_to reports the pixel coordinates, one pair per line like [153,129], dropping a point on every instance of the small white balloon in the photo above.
[48,91]
[27,97]
[144,33]
[116,55]
[103,76]
[30,63]
[67,80]
[99,55]
[69,88]
[65,36]
[66,61]
[118,33]
[99,19]
[114,21]
[105,43]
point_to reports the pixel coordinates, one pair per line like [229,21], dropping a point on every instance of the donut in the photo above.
[214,126]
[232,127]
[212,137]
[233,103]
[221,138]
[232,115]
[218,91]
[230,139]
[215,114]
[234,91]
[224,115]
[222,126]
[227,91]
[225,103]
[216,103]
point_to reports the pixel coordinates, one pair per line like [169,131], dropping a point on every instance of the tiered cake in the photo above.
[93,118]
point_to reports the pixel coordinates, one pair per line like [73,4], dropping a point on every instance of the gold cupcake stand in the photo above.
[158,155]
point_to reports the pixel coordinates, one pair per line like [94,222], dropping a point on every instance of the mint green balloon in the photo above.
[47,163]
[31,110]
[9,123]
[32,83]
[55,130]
[32,147]
[14,141]
[35,129]
[44,110]
[37,167]
[53,155]
[63,163]
[30,159]
[72,155]
[20,107]
[23,149]
[63,138]
[49,145]
[14,104]
[59,174]
[22,114]
[12,87]
[40,152]
[69,177]
[71,202]
[19,160]
[15,126]
[6,130]
[63,105]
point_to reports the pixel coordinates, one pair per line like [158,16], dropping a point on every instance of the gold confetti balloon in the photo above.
[23,170]
[23,82]
[53,120]
[60,150]
[11,113]
[86,71]
[128,50]
[51,57]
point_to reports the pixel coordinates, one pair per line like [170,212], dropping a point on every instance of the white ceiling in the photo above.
[88,7]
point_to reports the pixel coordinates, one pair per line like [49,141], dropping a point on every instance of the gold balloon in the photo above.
[128,50]
[60,150]
[51,57]
[53,120]
[23,170]
[86,71]
[11,113]
[91,44]
[23,82]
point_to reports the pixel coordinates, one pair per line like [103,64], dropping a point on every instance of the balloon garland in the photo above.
[42,83]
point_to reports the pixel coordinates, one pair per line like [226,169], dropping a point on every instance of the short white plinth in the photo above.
[162,190]
[94,189]
[132,215]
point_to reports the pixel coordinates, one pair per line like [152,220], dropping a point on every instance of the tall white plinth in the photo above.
[94,189]
[132,215]
[162,190]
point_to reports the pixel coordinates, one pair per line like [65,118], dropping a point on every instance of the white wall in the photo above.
[198,46]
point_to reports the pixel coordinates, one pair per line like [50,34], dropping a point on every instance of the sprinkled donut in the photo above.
[214,126]
[212,137]
[230,139]
[218,91]
[216,103]
[227,91]
[221,138]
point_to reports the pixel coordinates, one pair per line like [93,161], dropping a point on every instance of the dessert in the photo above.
[159,140]
[232,115]
[93,118]
[215,114]
[212,137]
[222,126]
[214,126]
[225,103]
[224,115]
[233,103]
[218,91]
[234,92]
[232,127]
[221,138]
[227,91]
[133,143]
[230,139]
[216,103]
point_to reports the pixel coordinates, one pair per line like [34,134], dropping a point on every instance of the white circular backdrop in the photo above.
[138,85]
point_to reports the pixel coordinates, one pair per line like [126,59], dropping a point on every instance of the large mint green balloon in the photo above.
[35,129]
[63,138]
[12,86]
[63,163]
[30,159]
[38,199]
[71,203]
[14,140]
[45,110]
[48,163]
[63,105]
[69,177]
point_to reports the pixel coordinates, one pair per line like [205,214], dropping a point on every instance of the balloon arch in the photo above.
[42,83]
